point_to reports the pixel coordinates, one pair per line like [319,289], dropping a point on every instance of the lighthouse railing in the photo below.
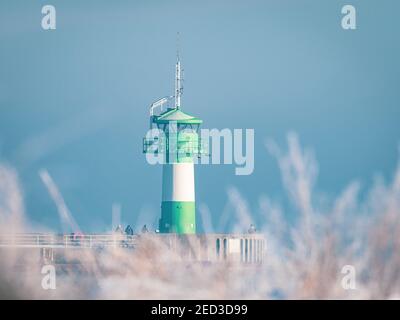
[157,145]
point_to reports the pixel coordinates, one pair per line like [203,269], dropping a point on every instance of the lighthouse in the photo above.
[178,142]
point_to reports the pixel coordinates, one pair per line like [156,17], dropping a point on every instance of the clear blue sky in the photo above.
[75,100]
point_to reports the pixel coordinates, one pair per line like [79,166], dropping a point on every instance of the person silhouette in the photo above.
[252,229]
[144,229]
[119,229]
[129,230]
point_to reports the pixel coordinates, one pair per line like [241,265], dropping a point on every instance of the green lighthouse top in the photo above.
[176,115]
[178,136]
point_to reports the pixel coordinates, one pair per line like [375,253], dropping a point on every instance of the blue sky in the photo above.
[75,100]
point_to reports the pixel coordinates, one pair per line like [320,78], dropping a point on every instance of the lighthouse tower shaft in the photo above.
[178,210]
[179,143]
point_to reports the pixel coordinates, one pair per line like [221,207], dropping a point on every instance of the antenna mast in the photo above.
[178,77]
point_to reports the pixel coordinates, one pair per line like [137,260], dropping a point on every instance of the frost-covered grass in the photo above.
[304,259]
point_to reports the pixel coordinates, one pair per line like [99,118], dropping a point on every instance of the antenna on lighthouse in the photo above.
[178,76]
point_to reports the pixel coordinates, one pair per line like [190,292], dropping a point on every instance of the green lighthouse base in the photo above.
[178,217]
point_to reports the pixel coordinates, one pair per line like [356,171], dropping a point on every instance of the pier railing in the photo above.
[67,240]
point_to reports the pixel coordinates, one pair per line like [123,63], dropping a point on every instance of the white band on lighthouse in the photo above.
[178,182]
